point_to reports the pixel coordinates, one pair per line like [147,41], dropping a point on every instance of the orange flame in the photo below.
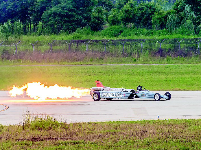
[39,91]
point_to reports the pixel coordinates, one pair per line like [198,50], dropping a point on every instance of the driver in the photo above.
[139,88]
[99,84]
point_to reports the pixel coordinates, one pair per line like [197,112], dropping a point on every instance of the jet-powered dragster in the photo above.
[101,92]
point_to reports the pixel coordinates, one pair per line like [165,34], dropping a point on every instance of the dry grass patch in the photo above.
[162,134]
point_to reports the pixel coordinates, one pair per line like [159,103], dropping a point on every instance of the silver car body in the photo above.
[125,94]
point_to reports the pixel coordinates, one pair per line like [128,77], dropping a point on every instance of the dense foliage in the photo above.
[43,17]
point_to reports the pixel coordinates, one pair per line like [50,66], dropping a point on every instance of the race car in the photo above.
[101,92]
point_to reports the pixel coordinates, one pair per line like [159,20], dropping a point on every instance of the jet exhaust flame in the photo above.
[39,91]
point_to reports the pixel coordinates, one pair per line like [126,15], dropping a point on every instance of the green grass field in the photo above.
[50,134]
[152,77]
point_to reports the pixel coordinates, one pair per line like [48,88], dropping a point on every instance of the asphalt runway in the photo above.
[183,105]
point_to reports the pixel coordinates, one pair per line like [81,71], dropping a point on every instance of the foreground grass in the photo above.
[153,77]
[50,134]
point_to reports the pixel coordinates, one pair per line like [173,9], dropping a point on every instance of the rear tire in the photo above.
[96,96]
[157,97]
[168,95]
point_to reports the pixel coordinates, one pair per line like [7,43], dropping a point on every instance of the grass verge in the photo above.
[153,77]
[80,58]
[47,133]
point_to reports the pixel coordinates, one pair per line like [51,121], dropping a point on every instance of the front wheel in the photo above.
[96,96]
[157,97]
[168,95]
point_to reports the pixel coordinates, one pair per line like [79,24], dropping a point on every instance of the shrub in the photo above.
[42,123]
[84,31]
[113,31]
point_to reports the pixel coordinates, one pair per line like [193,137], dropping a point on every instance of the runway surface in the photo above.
[183,105]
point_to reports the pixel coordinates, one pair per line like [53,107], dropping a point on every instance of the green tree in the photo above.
[6,29]
[83,9]
[15,10]
[113,18]
[144,14]
[186,18]
[182,10]
[105,4]
[61,17]
[128,13]
[159,20]
[120,4]
[9,11]
[24,14]
[195,6]
[173,22]
[97,19]
[39,7]
[165,4]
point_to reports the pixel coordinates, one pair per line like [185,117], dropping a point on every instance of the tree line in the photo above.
[43,17]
